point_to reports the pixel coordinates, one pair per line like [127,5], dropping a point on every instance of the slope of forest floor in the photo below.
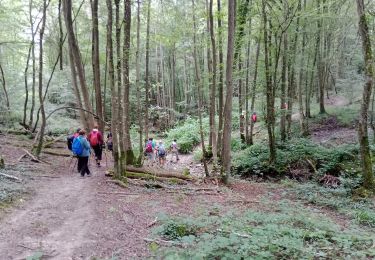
[57,215]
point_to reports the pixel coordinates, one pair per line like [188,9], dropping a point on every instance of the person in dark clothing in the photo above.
[96,141]
[83,158]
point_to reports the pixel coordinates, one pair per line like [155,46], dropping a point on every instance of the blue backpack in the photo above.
[77,147]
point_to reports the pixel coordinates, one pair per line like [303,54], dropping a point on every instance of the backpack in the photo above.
[110,143]
[77,147]
[94,138]
[254,117]
[69,141]
[161,151]
[149,147]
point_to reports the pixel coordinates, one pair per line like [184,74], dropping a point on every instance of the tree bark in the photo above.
[198,83]
[147,76]
[137,85]
[40,79]
[221,81]
[95,62]
[125,70]
[269,90]
[114,100]
[4,87]
[365,152]
[253,93]
[226,153]
[31,120]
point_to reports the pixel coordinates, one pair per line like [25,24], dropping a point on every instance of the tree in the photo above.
[2,79]
[40,81]
[368,176]
[226,160]
[95,62]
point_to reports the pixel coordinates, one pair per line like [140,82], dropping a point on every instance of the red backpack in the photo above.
[254,117]
[94,138]
[149,147]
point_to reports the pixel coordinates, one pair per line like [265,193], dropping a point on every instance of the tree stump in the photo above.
[2,164]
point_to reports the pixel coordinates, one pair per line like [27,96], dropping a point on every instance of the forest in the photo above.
[215,129]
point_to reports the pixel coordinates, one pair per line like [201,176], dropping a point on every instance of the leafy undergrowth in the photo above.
[284,232]
[343,199]
[299,158]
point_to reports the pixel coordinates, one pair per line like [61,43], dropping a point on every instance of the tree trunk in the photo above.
[221,81]
[226,153]
[95,63]
[137,85]
[41,100]
[61,37]
[67,7]
[283,106]
[4,87]
[198,83]
[269,90]
[31,120]
[147,76]
[253,93]
[247,85]
[320,64]
[125,70]
[120,109]
[368,176]
[213,86]
[114,100]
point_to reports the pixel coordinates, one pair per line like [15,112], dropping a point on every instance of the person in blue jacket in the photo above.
[83,158]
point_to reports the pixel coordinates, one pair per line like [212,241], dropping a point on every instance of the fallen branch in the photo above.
[11,177]
[33,158]
[164,242]
[153,222]
[118,193]
[244,201]
[48,144]
[146,176]
[159,173]
[235,233]
[194,193]
[50,152]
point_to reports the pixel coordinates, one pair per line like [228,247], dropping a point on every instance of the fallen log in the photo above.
[11,177]
[53,141]
[159,173]
[147,176]
[55,153]
[118,182]
[33,158]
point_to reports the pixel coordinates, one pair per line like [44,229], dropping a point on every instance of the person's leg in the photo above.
[79,164]
[82,162]
[87,166]
[100,152]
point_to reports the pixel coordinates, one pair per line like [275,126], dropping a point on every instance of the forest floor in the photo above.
[54,213]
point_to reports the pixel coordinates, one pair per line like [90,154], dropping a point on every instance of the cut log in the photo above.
[159,172]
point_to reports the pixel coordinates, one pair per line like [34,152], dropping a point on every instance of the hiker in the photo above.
[109,142]
[174,150]
[254,117]
[149,149]
[96,141]
[162,154]
[70,138]
[81,148]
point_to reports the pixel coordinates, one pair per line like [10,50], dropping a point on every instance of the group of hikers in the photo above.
[156,152]
[81,144]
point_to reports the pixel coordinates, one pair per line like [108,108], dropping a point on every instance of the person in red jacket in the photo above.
[96,141]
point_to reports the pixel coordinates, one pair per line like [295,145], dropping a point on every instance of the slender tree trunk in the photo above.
[253,91]
[198,82]
[302,118]
[221,81]
[137,85]
[247,85]
[120,109]
[61,36]
[95,62]
[213,86]
[125,71]
[4,87]
[67,7]
[320,64]
[40,82]
[147,76]
[226,153]
[33,61]
[283,106]
[270,90]
[114,100]
[368,176]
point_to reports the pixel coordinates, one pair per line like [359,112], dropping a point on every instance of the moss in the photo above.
[363,193]
[130,158]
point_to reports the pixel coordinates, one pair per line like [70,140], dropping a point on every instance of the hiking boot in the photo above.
[82,176]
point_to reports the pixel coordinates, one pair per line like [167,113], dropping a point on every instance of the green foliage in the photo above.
[35,256]
[187,134]
[291,233]
[296,153]
[341,199]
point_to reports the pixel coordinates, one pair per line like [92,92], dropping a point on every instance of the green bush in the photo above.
[187,134]
[295,153]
